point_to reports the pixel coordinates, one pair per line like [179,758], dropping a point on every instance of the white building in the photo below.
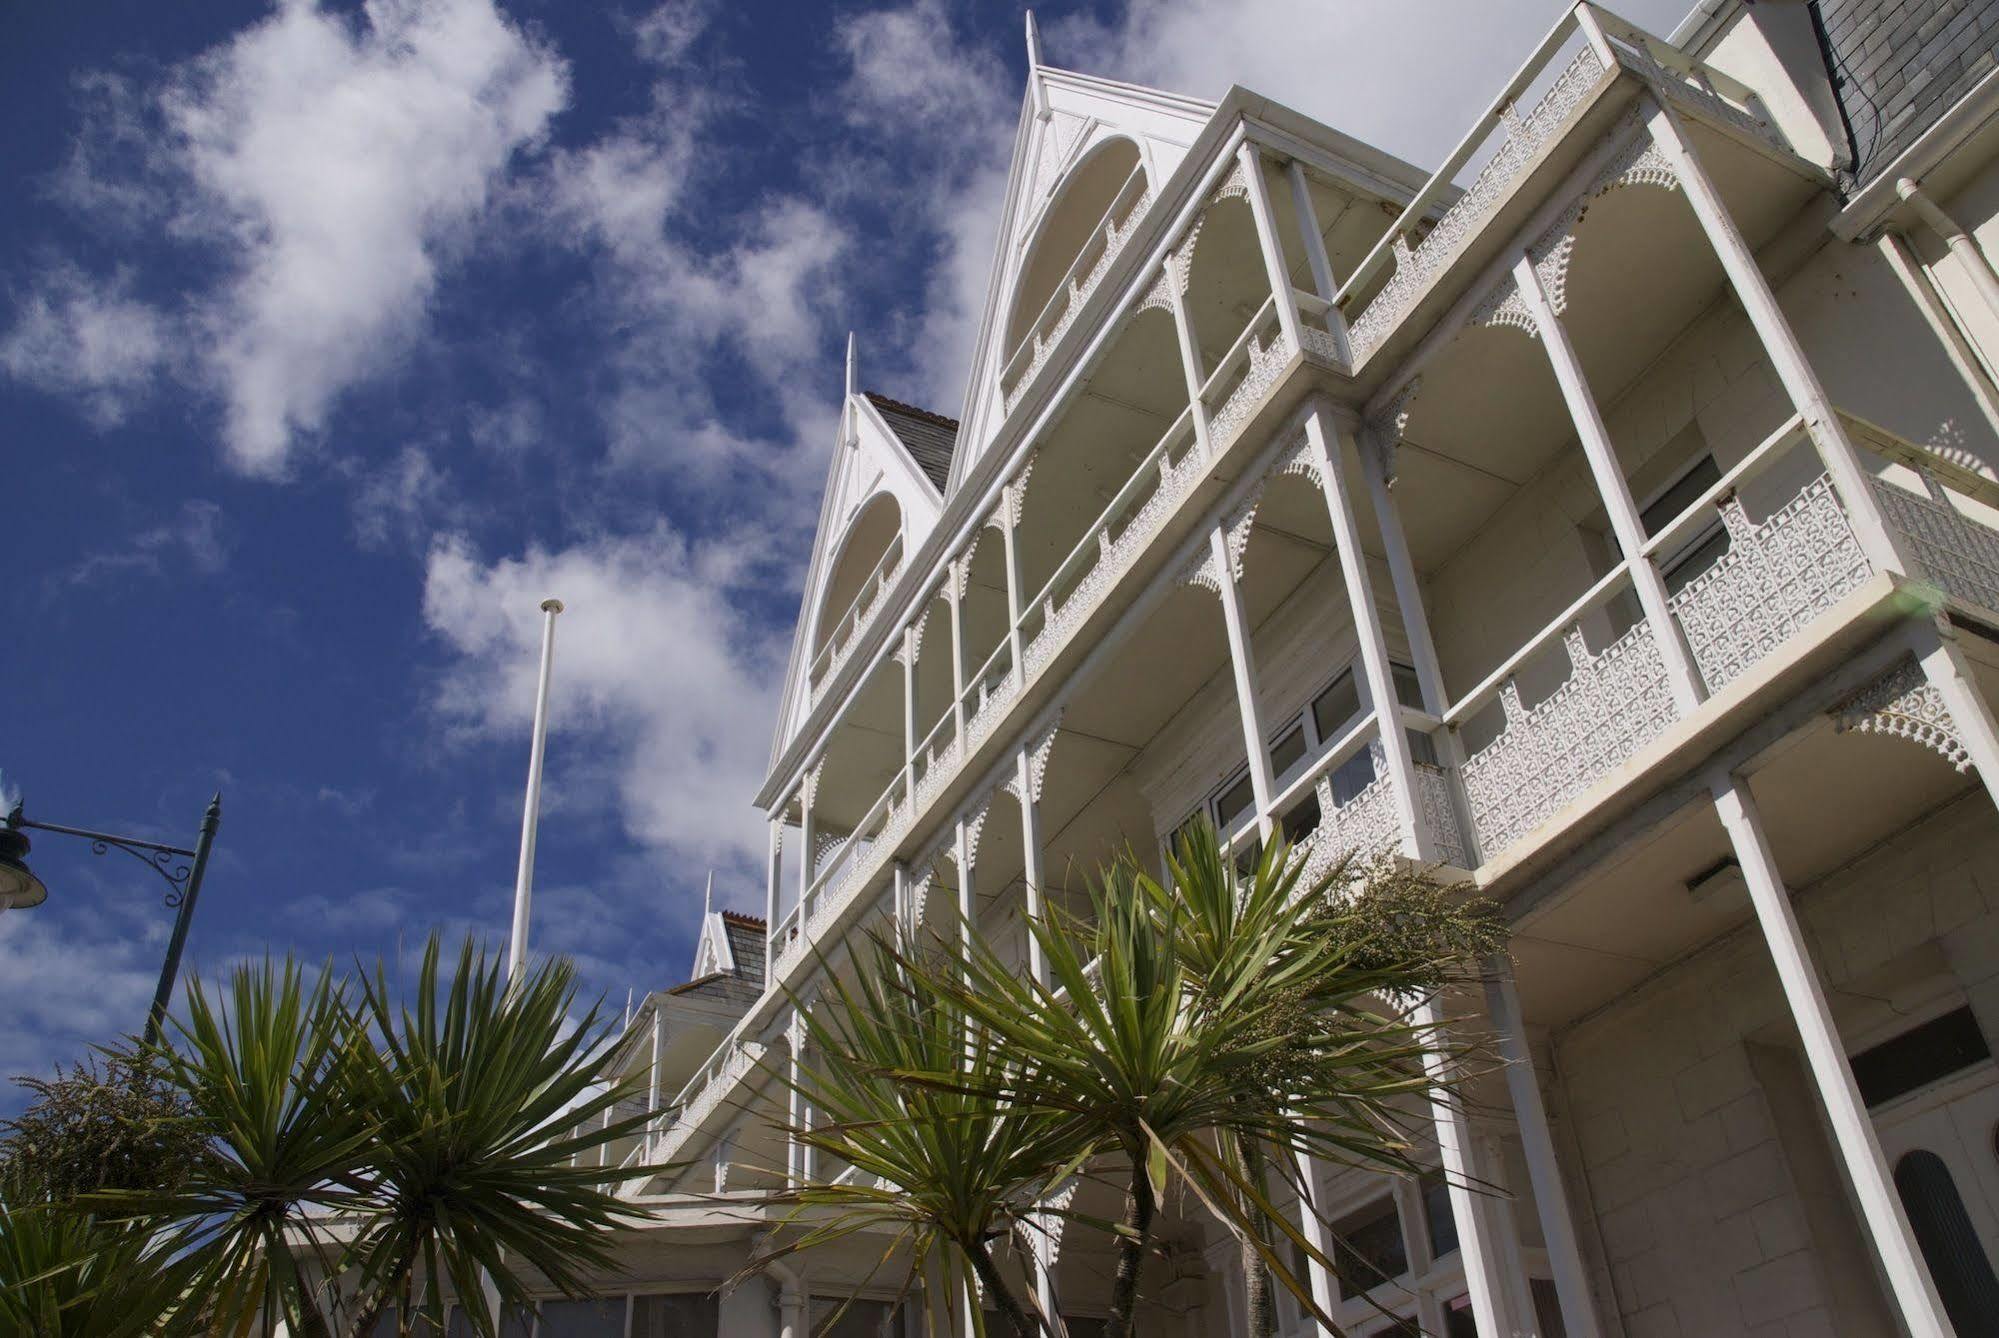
[1641,481]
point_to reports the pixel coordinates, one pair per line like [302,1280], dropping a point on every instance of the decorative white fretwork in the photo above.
[1236,529]
[1610,706]
[1692,89]
[1267,361]
[1393,420]
[1300,457]
[744,1057]
[1177,478]
[1052,1222]
[1414,269]
[1038,750]
[1773,580]
[1369,825]
[1015,493]
[1902,703]
[1951,552]
[1158,294]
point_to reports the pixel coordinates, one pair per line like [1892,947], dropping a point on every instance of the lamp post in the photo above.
[20,888]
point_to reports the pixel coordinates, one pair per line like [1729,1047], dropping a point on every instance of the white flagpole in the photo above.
[517,948]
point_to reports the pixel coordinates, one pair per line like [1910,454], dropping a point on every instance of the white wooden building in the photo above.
[1607,518]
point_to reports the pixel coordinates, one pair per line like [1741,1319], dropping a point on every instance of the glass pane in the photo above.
[1670,503]
[1700,553]
[513,1324]
[1351,777]
[603,1317]
[1335,709]
[861,1318]
[1408,690]
[1458,1319]
[1302,820]
[1920,1056]
[1548,1308]
[1288,751]
[1368,1248]
[1234,802]
[1950,1244]
[681,1315]
[1441,1226]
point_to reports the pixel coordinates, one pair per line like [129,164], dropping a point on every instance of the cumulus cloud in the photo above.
[192,540]
[74,978]
[334,166]
[93,341]
[659,669]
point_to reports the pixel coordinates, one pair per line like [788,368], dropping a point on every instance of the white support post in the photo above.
[771,898]
[1312,1224]
[1417,841]
[1544,1173]
[1009,516]
[1402,574]
[1242,660]
[794,1161]
[962,856]
[1271,245]
[954,578]
[1030,846]
[1944,665]
[719,1159]
[909,737]
[1625,524]
[1190,352]
[1787,357]
[1324,282]
[1481,1254]
[1867,1169]
[807,789]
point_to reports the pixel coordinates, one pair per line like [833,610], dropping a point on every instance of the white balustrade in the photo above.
[846,633]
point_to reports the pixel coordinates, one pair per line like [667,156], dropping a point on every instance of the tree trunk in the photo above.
[1138,1209]
[1256,1280]
[999,1293]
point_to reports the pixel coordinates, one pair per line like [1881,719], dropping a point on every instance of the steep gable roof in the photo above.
[1065,117]
[930,438]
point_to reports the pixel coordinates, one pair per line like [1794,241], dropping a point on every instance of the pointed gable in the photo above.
[884,492]
[1089,156]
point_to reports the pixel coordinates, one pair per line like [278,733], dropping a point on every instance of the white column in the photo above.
[1402,573]
[774,881]
[807,792]
[1544,1173]
[1029,794]
[1270,244]
[1867,1169]
[1681,675]
[794,1162]
[1190,352]
[1322,434]
[955,581]
[1480,1253]
[1311,1222]
[909,736]
[1787,357]
[1009,519]
[1324,282]
[963,852]
[1944,665]
[1243,661]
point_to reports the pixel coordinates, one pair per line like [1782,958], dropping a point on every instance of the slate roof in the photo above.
[746,945]
[930,438]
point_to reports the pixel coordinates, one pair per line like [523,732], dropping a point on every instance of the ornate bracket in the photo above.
[1903,703]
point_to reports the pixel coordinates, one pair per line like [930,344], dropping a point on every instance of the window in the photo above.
[676,1315]
[599,1317]
[1681,563]
[1333,711]
[1459,1322]
[513,1324]
[1920,1056]
[1368,1247]
[1438,1221]
[859,1318]
[1950,1245]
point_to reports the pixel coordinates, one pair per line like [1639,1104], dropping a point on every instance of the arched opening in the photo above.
[1950,1244]
[869,555]
[1225,280]
[1072,232]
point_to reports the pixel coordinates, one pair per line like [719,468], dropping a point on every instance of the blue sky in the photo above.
[333,337]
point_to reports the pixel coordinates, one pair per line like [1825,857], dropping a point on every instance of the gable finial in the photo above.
[853,381]
[1035,88]
[708,897]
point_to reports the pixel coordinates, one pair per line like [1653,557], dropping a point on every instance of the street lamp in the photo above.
[20,888]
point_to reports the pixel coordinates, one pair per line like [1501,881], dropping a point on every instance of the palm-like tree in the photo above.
[900,1091]
[71,1274]
[358,1149]
[1201,1030]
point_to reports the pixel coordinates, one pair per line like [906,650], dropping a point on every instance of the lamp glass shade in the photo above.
[19,888]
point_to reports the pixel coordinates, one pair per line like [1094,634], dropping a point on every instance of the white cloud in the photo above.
[93,341]
[193,537]
[75,978]
[660,673]
[335,166]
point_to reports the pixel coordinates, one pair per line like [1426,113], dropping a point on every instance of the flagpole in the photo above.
[517,947]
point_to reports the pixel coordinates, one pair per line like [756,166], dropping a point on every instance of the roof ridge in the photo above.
[741,918]
[928,415]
